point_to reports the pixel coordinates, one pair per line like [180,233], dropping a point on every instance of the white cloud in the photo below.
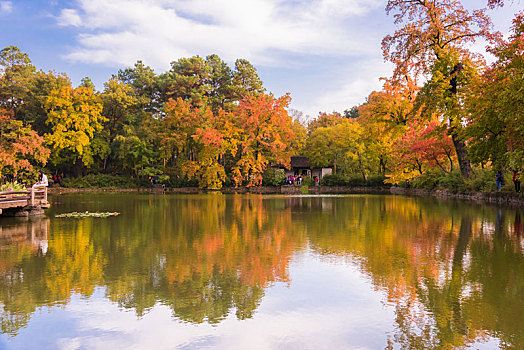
[294,316]
[347,87]
[6,7]
[119,32]
[69,17]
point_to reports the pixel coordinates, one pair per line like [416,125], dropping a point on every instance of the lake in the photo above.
[263,272]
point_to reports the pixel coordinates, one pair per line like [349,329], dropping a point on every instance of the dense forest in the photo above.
[445,117]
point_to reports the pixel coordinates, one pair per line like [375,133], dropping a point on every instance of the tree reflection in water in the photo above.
[453,272]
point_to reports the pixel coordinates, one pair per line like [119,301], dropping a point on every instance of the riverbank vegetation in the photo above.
[444,119]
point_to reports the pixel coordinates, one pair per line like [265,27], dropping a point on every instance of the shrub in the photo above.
[182,182]
[308,181]
[404,184]
[105,181]
[428,180]
[453,181]
[15,186]
[333,180]
[304,189]
[377,181]
[228,182]
[483,180]
[273,177]
[354,181]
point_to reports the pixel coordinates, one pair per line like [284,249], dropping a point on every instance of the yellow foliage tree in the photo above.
[74,116]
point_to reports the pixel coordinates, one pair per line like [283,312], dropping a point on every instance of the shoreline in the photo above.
[504,198]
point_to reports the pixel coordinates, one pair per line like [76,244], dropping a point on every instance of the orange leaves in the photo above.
[20,147]
[494,3]
[266,134]
[431,27]
[257,132]
[210,137]
[325,120]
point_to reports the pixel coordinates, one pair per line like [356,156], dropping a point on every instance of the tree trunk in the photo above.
[460,145]
[382,166]
[462,155]
[78,168]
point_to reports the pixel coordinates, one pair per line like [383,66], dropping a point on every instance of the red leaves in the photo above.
[421,148]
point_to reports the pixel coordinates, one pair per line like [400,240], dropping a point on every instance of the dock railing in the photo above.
[34,196]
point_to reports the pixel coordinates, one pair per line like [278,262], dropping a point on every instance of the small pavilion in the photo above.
[302,166]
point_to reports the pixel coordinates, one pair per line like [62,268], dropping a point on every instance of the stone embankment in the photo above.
[505,198]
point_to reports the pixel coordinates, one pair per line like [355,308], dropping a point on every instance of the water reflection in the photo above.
[452,272]
[23,246]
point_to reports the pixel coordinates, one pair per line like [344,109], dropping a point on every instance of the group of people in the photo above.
[499,178]
[57,180]
[291,180]
[297,179]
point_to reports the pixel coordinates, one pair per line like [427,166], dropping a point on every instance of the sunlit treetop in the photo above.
[429,28]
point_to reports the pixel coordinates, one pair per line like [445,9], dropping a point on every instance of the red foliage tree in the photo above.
[420,149]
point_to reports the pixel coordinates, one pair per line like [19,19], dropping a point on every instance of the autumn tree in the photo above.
[266,130]
[432,41]
[20,148]
[218,138]
[16,73]
[386,115]
[421,148]
[392,108]
[344,145]
[75,119]
[496,104]
[495,3]
[325,120]
[174,135]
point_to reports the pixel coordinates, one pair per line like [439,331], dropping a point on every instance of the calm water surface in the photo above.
[263,272]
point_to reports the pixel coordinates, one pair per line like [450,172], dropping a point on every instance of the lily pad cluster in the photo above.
[86,214]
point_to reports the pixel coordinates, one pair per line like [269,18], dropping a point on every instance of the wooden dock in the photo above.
[33,201]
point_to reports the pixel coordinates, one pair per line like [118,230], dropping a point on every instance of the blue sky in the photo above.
[326,53]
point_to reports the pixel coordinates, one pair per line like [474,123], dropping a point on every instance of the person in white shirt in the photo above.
[42,180]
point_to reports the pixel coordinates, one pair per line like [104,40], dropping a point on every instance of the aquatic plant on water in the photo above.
[86,214]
